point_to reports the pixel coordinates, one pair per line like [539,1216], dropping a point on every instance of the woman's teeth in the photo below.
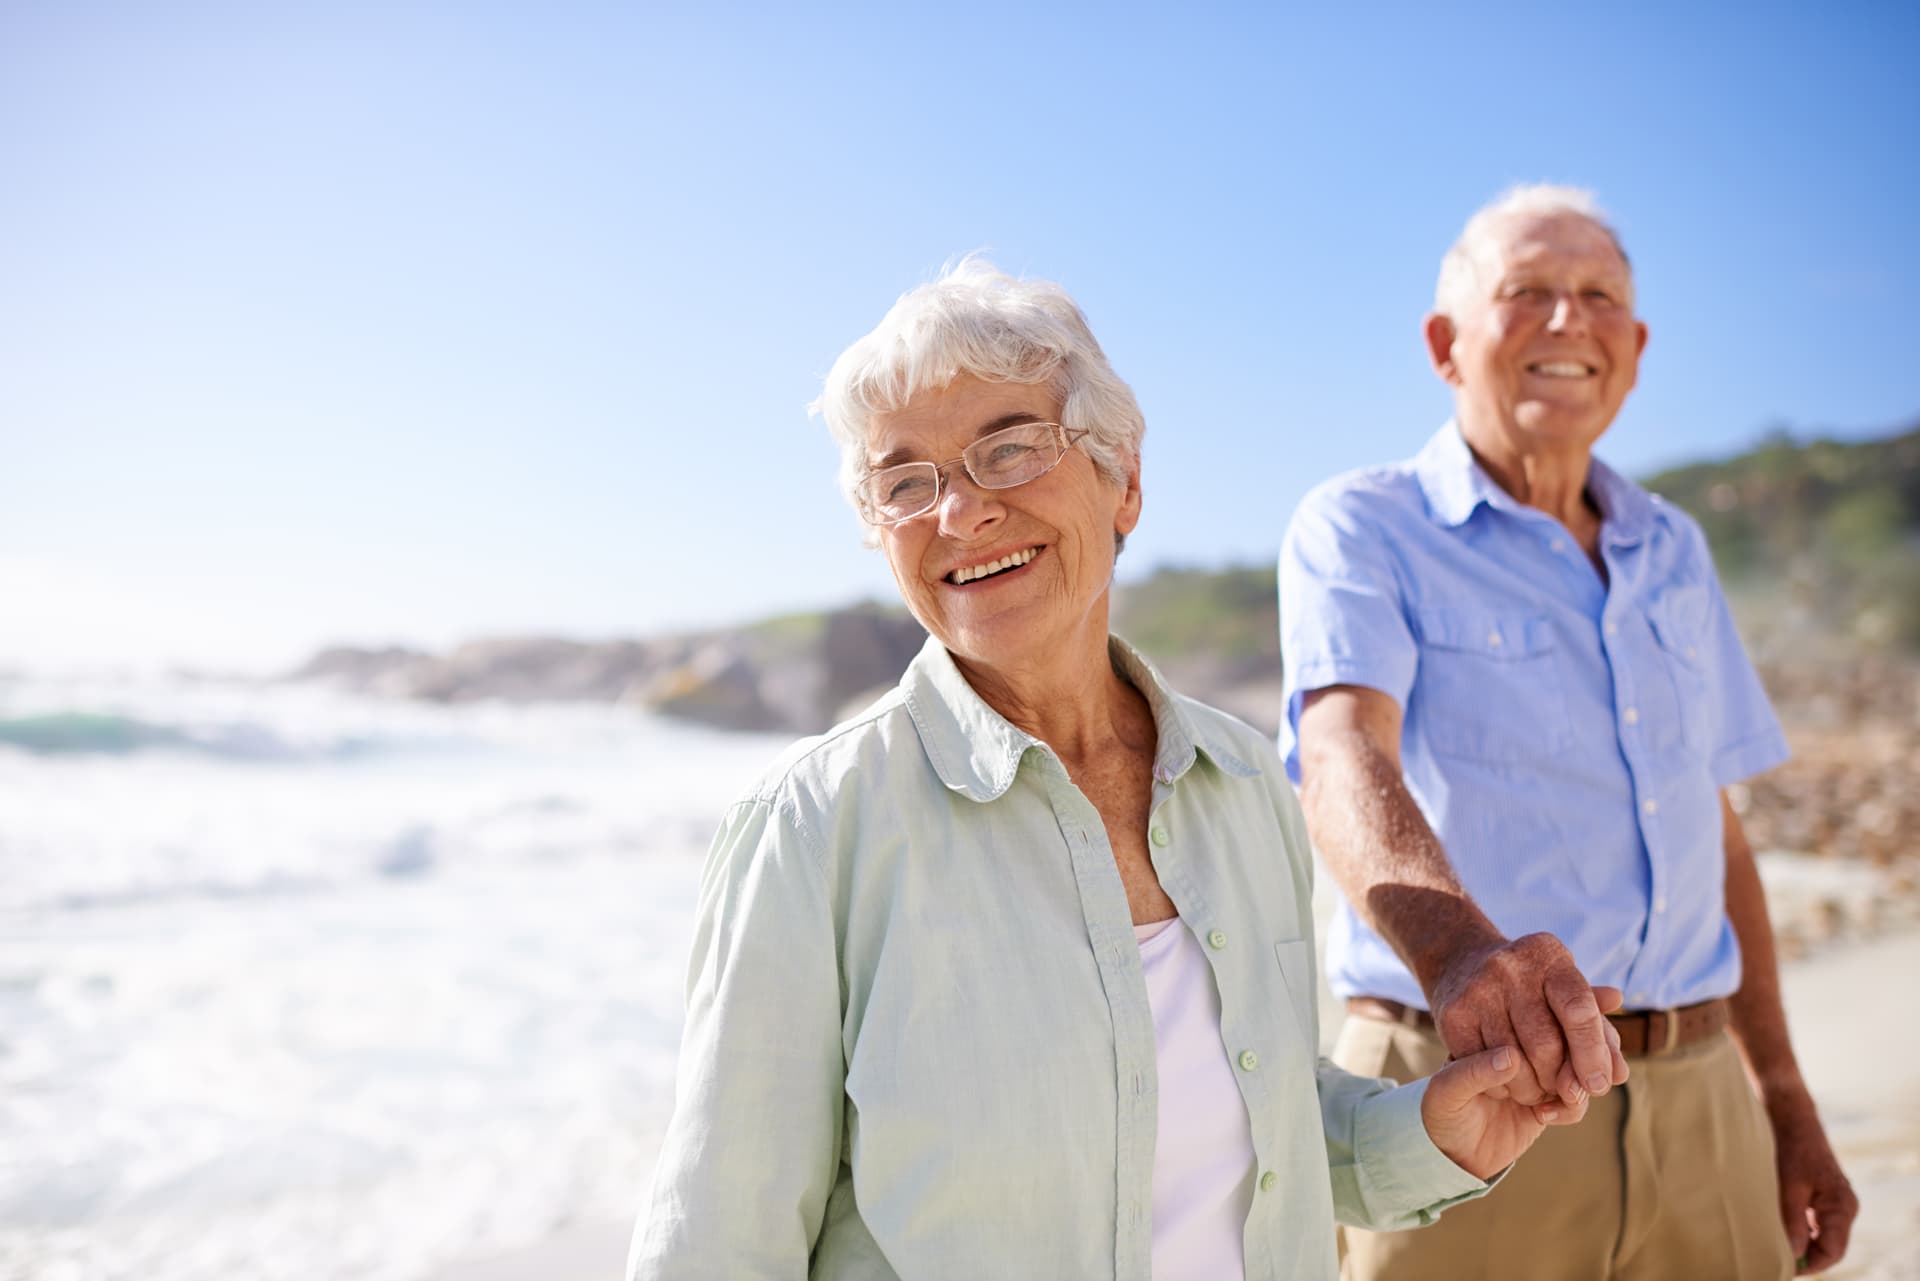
[972,572]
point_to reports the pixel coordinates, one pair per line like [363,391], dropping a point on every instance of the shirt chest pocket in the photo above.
[1489,687]
[1679,621]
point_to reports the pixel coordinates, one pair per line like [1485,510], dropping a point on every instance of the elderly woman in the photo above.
[1011,975]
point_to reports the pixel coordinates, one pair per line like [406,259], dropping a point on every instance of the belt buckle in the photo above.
[1670,1020]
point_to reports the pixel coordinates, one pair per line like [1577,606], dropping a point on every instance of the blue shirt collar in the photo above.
[1455,484]
[977,752]
[1626,510]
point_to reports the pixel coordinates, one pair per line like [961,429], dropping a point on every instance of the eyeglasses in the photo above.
[998,460]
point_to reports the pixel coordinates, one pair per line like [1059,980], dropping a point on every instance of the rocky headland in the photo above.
[796,673]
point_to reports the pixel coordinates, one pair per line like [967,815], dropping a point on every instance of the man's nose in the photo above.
[1569,314]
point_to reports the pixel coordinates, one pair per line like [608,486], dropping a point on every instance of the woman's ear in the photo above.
[1128,514]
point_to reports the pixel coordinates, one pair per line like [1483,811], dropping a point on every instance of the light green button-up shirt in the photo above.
[918,1042]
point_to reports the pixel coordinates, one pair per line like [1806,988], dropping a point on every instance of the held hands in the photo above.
[1478,1132]
[1528,993]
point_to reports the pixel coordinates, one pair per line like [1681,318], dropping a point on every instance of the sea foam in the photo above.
[295,985]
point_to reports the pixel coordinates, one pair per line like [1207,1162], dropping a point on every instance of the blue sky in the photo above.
[411,323]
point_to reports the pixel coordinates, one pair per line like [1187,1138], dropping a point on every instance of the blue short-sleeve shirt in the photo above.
[1565,736]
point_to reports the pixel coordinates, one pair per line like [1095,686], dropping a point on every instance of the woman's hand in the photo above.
[1483,1135]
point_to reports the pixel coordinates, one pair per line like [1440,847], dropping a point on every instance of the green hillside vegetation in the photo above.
[1228,613]
[1825,530]
[1829,529]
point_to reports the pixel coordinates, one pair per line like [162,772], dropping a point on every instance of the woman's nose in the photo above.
[966,508]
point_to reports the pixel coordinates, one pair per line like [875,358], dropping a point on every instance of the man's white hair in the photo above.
[975,319]
[1473,258]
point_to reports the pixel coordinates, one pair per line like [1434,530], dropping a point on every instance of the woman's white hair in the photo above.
[1473,257]
[975,319]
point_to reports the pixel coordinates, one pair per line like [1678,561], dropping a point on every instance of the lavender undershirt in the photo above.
[1203,1164]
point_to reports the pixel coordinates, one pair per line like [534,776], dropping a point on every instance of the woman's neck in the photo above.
[1071,698]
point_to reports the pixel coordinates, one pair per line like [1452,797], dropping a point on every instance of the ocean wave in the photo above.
[95,733]
[63,733]
[298,984]
[130,795]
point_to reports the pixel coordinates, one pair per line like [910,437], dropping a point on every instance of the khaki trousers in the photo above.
[1669,1177]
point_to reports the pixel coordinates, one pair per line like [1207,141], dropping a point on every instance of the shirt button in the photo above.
[1613,629]
[1640,999]
[1650,805]
[1216,939]
[1249,1060]
[1269,1181]
[1660,904]
[1690,651]
[1558,546]
[1159,836]
[1493,639]
[1631,716]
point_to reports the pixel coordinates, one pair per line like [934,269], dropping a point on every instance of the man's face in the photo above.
[1548,348]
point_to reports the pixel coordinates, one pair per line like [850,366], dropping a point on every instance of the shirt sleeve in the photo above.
[753,1148]
[1387,1174]
[1342,610]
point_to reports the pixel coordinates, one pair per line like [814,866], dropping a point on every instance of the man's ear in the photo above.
[1439,332]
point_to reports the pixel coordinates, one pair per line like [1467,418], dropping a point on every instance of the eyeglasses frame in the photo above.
[1067,436]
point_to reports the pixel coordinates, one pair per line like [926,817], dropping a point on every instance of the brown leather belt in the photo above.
[1643,1033]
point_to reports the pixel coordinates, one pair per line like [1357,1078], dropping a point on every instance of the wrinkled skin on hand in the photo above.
[1817,1204]
[1528,993]
[1478,1132]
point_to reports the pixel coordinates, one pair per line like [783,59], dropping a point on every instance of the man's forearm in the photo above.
[1386,858]
[1759,1018]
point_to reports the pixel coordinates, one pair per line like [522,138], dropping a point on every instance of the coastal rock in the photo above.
[713,686]
[789,674]
[386,672]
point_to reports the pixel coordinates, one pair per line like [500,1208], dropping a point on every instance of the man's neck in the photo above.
[1550,480]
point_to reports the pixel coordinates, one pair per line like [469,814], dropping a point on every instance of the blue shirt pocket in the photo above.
[1679,620]
[1488,687]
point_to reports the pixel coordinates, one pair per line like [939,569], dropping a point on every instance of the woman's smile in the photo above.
[993,568]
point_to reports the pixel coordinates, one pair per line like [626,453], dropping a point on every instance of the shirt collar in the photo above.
[1453,481]
[1626,510]
[1455,484]
[977,752]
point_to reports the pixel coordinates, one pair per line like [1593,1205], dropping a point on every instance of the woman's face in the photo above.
[1058,531]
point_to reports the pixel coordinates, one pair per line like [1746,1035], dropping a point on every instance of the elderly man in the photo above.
[1514,700]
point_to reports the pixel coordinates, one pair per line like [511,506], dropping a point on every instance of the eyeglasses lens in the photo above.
[999,460]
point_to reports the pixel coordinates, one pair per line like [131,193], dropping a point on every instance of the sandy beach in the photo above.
[1865,1074]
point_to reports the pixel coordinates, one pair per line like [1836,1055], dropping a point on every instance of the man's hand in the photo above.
[1817,1203]
[1528,993]
[1479,1132]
